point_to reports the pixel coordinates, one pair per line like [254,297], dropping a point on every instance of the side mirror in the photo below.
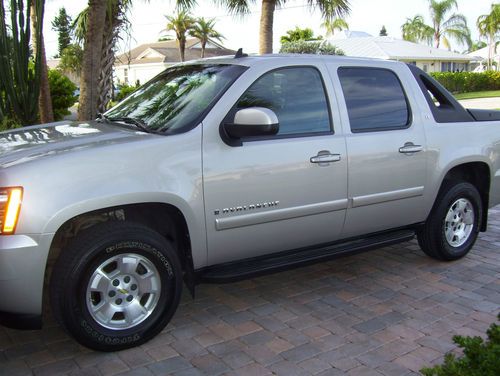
[252,122]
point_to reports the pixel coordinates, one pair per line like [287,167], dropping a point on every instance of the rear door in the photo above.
[386,147]
[279,192]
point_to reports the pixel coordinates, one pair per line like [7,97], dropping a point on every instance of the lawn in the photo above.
[478,94]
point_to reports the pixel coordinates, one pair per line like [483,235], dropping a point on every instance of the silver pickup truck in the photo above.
[221,169]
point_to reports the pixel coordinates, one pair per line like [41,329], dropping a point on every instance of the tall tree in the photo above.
[335,24]
[45,100]
[91,65]
[71,59]
[20,81]
[329,9]
[383,31]
[454,26]
[62,25]
[489,27]
[180,24]
[416,30]
[204,30]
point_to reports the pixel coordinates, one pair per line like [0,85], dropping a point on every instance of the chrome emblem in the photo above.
[244,208]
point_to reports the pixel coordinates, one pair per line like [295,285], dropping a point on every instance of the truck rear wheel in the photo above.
[116,286]
[453,225]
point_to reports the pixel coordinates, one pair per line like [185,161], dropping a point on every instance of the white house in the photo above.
[147,60]
[481,56]
[427,58]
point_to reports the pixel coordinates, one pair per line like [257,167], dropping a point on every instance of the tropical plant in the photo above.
[489,27]
[62,24]
[416,30]
[335,24]
[19,74]
[204,30]
[453,27]
[476,45]
[311,47]
[62,91]
[297,34]
[480,357]
[329,10]
[181,24]
[71,59]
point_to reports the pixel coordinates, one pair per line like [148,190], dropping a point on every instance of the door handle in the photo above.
[324,157]
[410,148]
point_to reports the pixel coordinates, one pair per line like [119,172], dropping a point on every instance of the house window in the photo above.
[446,67]
[426,68]
[125,75]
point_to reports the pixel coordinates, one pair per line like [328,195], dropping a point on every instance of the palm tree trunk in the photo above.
[92,60]
[44,100]
[266,26]
[203,45]
[182,48]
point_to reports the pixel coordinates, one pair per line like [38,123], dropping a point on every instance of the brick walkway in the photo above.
[386,312]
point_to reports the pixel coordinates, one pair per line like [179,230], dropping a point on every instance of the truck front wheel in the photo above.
[453,225]
[116,286]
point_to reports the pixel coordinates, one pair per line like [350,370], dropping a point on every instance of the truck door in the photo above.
[386,148]
[280,192]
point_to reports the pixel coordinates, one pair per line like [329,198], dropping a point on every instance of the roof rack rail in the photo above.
[240,54]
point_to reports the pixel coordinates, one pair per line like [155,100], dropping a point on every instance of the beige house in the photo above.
[147,60]
[427,58]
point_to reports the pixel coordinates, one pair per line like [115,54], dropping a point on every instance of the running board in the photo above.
[251,267]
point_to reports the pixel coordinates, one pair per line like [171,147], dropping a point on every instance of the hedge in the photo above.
[465,82]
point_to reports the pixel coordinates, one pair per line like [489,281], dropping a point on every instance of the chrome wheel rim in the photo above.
[459,222]
[123,291]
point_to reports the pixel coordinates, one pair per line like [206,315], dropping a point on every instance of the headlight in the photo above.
[10,205]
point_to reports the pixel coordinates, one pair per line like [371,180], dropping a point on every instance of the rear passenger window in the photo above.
[296,95]
[375,99]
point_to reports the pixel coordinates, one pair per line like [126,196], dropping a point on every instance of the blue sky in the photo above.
[366,15]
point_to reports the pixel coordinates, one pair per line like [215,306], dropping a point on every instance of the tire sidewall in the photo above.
[79,320]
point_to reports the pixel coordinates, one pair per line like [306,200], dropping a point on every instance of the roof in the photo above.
[394,49]
[483,54]
[168,52]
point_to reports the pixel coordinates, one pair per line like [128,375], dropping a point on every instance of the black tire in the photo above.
[432,237]
[77,265]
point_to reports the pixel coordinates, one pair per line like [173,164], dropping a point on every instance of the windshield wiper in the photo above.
[137,122]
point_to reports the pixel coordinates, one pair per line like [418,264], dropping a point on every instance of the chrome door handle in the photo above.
[410,148]
[325,158]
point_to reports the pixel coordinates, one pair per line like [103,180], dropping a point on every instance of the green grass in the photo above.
[478,94]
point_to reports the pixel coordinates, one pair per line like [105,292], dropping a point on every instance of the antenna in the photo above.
[240,54]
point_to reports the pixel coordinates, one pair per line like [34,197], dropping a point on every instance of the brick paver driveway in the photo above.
[385,312]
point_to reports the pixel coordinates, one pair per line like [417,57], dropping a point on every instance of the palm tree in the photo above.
[334,24]
[181,24]
[489,26]
[204,30]
[415,30]
[329,10]
[455,26]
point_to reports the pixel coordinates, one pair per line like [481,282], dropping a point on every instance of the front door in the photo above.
[278,192]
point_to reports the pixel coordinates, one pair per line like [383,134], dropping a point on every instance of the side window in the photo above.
[375,99]
[296,95]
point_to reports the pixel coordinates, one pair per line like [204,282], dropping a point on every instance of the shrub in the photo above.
[481,358]
[62,93]
[8,123]
[125,91]
[315,48]
[464,82]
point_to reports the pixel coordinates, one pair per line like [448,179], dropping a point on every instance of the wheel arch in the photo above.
[476,173]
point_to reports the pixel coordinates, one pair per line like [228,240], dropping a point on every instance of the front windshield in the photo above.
[177,98]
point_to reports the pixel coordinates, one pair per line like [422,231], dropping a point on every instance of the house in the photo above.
[147,60]
[481,56]
[427,58]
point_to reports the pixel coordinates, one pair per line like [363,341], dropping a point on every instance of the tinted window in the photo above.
[375,99]
[297,97]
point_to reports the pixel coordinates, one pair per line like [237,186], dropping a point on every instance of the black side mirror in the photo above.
[252,122]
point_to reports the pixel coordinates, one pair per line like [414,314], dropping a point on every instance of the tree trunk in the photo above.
[266,27]
[91,64]
[44,100]
[182,48]
[203,45]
